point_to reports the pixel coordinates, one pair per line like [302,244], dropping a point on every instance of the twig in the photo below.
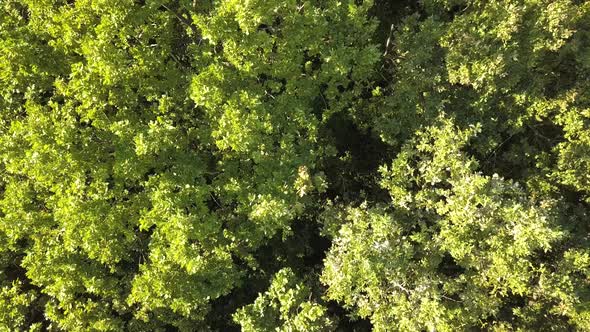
[388,40]
[450,299]
[183,20]
[215,200]
[498,148]
[407,291]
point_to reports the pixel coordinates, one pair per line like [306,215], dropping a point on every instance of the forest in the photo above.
[295,165]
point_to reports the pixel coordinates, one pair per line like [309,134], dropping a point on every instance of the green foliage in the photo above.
[285,306]
[267,94]
[162,162]
[455,251]
[150,147]
[15,307]
[508,65]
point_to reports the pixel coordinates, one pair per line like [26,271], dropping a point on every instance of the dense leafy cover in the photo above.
[264,165]
[456,247]
[284,308]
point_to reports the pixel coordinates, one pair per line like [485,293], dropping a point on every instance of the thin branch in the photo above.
[407,291]
[450,299]
[493,153]
[388,40]
[215,200]
[183,20]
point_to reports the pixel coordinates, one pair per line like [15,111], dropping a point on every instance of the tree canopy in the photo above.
[294,165]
